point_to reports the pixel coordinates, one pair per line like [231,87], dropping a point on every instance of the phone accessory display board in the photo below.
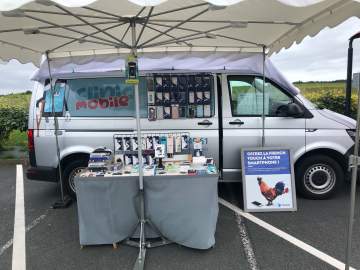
[176,96]
[154,145]
[268,180]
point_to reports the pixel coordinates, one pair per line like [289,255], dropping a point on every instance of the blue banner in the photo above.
[267,162]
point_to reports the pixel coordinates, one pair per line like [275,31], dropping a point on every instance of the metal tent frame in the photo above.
[111,21]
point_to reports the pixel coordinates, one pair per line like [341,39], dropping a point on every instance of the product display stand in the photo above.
[64,200]
[143,221]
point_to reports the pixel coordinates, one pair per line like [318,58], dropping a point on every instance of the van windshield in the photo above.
[104,97]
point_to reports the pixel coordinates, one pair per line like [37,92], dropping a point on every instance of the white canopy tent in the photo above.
[65,29]
[86,27]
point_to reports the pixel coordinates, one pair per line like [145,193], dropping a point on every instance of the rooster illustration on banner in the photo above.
[271,193]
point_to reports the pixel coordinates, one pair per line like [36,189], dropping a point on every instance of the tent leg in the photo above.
[64,200]
[263,102]
[354,163]
[143,244]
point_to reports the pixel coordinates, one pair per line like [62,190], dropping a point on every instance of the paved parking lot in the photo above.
[52,235]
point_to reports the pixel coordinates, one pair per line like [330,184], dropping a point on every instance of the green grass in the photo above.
[17,138]
[21,100]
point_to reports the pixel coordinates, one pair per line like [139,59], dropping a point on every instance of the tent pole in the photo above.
[263,101]
[142,240]
[354,160]
[348,79]
[64,201]
[354,163]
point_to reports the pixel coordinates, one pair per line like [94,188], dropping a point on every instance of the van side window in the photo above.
[246,94]
[104,97]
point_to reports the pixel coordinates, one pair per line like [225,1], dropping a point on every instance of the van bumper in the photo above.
[42,174]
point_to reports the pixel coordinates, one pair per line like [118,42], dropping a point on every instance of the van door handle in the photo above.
[205,123]
[236,122]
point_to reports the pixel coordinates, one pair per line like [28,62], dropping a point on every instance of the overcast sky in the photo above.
[323,57]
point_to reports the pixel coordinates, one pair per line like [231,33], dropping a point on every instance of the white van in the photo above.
[98,104]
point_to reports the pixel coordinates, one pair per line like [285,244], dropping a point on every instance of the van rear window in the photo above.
[104,97]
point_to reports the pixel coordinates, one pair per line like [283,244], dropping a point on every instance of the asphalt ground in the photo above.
[52,235]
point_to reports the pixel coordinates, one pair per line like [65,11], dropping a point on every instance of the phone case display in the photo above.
[159,112]
[152,113]
[154,146]
[151,97]
[179,96]
[162,154]
[191,111]
[100,159]
[207,111]
[170,145]
[175,111]
[191,97]
[199,111]
[167,112]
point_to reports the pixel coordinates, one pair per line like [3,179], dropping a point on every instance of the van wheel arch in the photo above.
[340,158]
[68,164]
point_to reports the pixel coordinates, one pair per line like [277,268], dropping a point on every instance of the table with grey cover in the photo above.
[183,208]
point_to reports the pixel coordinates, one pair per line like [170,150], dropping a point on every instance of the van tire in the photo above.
[318,177]
[70,169]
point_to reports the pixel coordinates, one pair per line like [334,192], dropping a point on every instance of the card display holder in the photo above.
[174,96]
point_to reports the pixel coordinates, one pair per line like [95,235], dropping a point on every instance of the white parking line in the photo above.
[249,252]
[19,253]
[27,229]
[300,244]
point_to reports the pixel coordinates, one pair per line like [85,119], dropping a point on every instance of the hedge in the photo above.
[336,103]
[12,119]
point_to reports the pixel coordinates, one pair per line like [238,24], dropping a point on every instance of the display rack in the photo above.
[126,146]
[176,96]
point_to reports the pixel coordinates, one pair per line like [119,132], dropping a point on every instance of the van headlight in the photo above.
[352,133]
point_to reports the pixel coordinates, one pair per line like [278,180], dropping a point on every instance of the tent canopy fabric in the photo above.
[241,63]
[66,28]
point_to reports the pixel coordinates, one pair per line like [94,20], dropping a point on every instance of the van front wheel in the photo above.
[71,169]
[318,177]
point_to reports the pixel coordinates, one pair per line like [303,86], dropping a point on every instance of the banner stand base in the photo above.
[62,203]
[142,244]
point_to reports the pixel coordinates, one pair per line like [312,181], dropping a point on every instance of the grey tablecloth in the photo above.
[183,208]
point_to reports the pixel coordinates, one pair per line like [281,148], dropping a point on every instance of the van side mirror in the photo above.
[294,110]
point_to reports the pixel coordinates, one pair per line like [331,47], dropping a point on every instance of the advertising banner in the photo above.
[268,180]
